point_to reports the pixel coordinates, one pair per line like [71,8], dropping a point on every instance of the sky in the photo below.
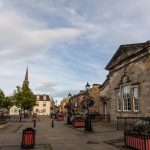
[65,43]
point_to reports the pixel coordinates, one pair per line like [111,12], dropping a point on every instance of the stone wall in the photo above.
[139,74]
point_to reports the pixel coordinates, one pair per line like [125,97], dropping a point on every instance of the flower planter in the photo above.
[78,124]
[60,118]
[140,142]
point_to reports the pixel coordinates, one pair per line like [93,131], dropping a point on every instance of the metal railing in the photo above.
[124,123]
[100,117]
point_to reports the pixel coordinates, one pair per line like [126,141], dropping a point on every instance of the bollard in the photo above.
[52,123]
[34,121]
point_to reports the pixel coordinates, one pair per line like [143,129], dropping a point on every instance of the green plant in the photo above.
[78,118]
[141,128]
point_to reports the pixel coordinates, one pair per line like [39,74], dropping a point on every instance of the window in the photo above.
[135,98]
[119,102]
[44,110]
[44,104]
[38,97]
[126,98]
[45,96]
[37,110]
[15,110]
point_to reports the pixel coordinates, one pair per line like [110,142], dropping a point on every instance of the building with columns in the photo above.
[126,91]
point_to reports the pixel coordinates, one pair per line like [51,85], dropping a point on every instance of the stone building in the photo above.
[126,91]
[93,92]
[62,105]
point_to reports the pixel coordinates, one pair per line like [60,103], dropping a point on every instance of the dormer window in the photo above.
[44,98]
[38,97]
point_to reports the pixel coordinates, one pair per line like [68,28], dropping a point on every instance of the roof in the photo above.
[126,51]
[42,97]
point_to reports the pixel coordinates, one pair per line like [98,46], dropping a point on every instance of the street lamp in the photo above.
[69,95]
[56,102]
[87,86]
[88,102]
[68,107]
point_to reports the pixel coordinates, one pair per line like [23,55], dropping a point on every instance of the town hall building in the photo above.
[126,91]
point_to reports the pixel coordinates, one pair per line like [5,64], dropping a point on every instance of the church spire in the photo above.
[26,82]
[26,75]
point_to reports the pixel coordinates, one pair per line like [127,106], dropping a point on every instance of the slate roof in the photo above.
[41,97]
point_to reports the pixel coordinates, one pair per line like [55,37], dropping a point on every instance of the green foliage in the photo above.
[141,128]
[8,102]
[24,98]
[5,102]
[2,98]
[78,118]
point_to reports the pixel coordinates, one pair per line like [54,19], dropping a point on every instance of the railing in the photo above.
[124,123]
[100,117]
[4,118]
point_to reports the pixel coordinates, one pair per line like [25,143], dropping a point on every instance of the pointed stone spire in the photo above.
[26,76]
[26,82]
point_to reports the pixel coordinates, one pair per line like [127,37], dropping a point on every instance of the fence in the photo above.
[100,117]
[4,119]
[124,123]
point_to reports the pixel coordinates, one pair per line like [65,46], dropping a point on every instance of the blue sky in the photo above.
[65,43]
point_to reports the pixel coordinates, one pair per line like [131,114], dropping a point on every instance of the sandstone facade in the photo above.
[127,88]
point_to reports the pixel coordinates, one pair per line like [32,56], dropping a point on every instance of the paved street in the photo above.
[62,136]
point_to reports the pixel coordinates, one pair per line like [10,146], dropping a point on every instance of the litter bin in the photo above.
[28,138]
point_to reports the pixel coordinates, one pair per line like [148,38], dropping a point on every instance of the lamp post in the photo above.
[68,106]
[88,103]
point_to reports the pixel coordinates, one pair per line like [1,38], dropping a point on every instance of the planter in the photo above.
[140,142]
[78,124]
[60,118]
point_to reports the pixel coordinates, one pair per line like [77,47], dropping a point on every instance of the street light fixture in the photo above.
[68,107]
[69,95]
[87,86]
[88,102]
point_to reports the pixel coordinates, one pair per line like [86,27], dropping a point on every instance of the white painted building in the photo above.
[44,105]
[14,110]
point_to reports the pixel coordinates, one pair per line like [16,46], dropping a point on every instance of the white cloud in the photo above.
[83,34]
[22,36]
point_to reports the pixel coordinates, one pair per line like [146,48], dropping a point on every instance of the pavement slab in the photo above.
[61,136]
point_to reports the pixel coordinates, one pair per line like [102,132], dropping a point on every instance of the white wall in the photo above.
[14,110]
[42,110]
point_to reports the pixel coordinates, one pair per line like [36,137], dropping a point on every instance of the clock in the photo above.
[124,79]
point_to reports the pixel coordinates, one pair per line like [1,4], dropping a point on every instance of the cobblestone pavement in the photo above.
[61,137]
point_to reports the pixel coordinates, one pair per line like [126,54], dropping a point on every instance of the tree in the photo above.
[5,101]
[2,97]
[24,99]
